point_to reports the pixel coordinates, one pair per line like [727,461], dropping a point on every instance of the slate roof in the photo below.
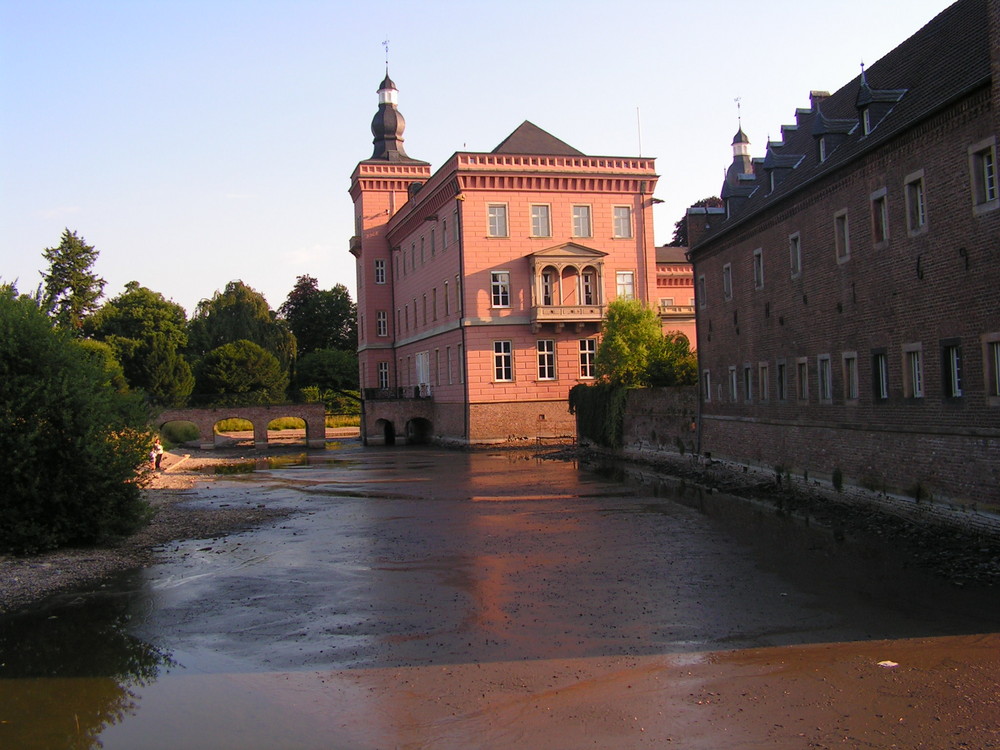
[671,254]
[528,138]
[944,61]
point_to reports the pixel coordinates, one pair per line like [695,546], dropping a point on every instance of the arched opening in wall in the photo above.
[286,431]
[233,432]
[388,431]
[570,283]
[178,432]
[419,430]
[589,286]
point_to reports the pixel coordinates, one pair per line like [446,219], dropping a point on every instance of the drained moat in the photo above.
[417,597]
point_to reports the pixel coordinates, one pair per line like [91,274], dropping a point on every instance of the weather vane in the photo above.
[385,43]
[739,116]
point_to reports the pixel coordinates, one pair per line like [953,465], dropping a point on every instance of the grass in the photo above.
[288,423]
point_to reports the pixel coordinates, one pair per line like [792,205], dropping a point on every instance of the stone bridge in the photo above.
[205,420]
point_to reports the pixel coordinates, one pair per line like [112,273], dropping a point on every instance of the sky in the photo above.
[195,142]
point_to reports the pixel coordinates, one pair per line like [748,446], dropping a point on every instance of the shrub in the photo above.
[70,443]
[179,432]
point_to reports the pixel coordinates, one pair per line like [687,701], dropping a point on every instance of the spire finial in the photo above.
[739,115]
[864,81]
[385,43]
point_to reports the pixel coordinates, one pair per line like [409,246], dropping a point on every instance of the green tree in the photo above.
[148,334]
[104,355]
[634,351]
[70,443]
[71,288]
[674,363]
[329,369]
[632,337]
[241,372]
[240,313]
[320,319]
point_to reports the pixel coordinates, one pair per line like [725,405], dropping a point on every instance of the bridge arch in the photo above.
[419,430]
[314,415]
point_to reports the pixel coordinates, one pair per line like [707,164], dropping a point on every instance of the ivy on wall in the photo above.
[600,412]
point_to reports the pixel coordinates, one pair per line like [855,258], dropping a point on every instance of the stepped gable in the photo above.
[945,60]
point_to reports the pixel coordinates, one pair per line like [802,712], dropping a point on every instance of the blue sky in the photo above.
[194,142]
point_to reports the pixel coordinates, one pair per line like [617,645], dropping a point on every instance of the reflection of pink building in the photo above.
[481,287]
[674,298]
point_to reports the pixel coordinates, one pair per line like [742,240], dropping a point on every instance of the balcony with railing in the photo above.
[676,312]
[563,315]
[408,392]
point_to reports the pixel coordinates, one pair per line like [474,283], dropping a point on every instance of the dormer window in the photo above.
[822,148]
[866,121]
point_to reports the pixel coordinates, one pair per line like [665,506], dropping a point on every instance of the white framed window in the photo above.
[866,121]
[460,364]
[434,303]
[588,352]
[880,216]
[455,230]
[541,224]
[983,176]
[991,361]
[706,385]
[951,368]
[587,288]
[727,281]
[795,253]
[747,383]
[841,236]
[913,370]
[763,382]
[758,268]
[444,234]
[625,282]
[381,323]
[433,244]
[880,374]
[622,222]
[802,378]
[581,222]
[497,220]
[500,288]
[447,301]
[734,389]
[503,361]
[548,282]
[380,270]
[916,204]
[782,380]
[702,297]
[850,367]
[822,148]
[449,365]
[546,359]
[383,375]
[423,258]
[824,378]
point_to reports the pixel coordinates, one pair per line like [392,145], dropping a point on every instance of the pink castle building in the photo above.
[482,286]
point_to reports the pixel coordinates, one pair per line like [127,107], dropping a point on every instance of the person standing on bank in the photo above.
[157,454]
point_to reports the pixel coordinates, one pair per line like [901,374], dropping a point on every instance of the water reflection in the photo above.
[69,670]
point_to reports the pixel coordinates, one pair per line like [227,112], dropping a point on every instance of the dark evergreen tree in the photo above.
[680,238]
[320,319]
[71,288]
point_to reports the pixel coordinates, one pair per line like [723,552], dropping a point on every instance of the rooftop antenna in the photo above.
[638,126]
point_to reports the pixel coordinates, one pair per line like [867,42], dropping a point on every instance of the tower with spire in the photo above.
[380,186]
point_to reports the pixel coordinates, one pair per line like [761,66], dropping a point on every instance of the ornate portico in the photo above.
[567,283]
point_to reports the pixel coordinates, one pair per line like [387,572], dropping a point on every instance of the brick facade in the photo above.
[493,270]
[314,415]
[897,265]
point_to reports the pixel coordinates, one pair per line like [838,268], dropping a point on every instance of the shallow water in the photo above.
[417,558]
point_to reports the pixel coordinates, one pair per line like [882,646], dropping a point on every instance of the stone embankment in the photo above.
[955,541]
